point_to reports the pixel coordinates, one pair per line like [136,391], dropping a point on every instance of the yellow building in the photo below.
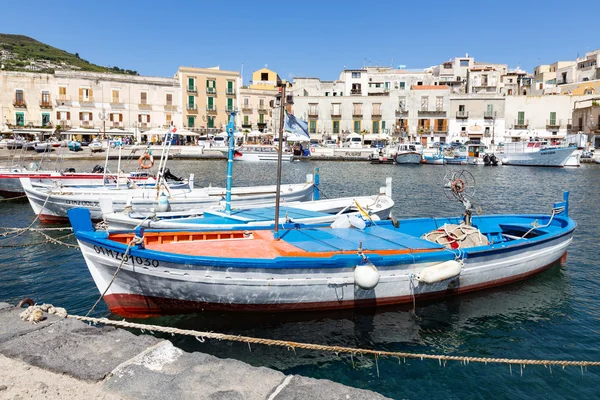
[208,97]
[265,79]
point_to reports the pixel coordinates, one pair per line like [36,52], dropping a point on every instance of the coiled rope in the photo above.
[290,345]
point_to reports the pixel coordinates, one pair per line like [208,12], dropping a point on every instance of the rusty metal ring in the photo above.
[27,301]
[458,186]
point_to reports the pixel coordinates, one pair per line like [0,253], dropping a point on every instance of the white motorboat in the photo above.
[250,152]
[95,146]
[536,153]
[407,154]
[43,147]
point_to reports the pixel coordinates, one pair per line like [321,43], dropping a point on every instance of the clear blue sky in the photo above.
[306,38]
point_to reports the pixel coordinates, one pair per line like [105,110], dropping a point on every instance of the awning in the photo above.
[119,132]
[83,131]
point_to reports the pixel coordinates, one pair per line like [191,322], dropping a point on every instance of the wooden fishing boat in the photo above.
[148,272]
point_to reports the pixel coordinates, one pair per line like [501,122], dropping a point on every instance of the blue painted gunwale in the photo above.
[84,232]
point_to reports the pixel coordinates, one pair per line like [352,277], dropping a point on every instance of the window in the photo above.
[312,109]
[521,118]
[85,94]
[211,86]
[143,98]
[357,109]
[335,109]
[85,116]
[246,102]
[229,87]
[402,85]
[191,120]
[115,96]
[19,97]
[191,105]
[169,99]
[168,118]
[312,127]
[552,118]
[62,92]
[20,119]
[64,115]
[387,86]
[448,65]
[210,122]
[487,131]
[356,74]
[261,104]
[229,104]
[46,119]
[464,63]
[336,126]
[246,120]
[116,117]
[440,125]
[45,98]
[326,93]
[383,126]
[439,103]
[376,109]
[510,80]
[375,126]
[357,126]
[402,103]
[419,83]
[143,118]
[261,118]
[425,103]
[191,85]
[210,103]
[264,76]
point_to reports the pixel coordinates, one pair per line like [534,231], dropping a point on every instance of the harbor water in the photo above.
[554,315]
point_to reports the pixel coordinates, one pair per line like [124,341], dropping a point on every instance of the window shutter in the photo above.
[91,93]
[112,117]
[58,115]
[81,116]
[68,115]
[120,117]
[91,116]
[80,92]
[139,117]
[148,118]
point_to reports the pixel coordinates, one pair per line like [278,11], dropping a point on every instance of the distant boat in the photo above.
[251,152]
[43,147]
[407,154]
[74,145]
[536,153]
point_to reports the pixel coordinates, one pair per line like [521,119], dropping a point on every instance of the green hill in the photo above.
[22,53]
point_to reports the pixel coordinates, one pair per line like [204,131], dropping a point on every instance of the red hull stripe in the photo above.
[140,306]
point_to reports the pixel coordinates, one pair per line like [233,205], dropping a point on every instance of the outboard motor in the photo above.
[486,160]
[98,169]
[168,175]
[494,160]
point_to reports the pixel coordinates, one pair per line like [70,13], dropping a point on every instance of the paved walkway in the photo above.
[67,359]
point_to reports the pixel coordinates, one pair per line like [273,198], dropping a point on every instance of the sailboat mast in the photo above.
[279,155]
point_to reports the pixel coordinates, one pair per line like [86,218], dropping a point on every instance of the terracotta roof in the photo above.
[429,87]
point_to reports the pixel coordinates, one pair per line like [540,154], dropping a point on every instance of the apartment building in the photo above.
[477,118]
[115,104]
[255,108]
[586,119]
[208,97]
[26,103]
[516,82]
[454,73]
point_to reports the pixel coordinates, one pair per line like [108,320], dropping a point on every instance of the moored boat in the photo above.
[251,152]
[536,153]
[307,268]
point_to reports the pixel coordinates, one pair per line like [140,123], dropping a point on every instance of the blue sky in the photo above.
[306,38]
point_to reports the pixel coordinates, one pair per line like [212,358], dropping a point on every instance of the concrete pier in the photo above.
[68,359]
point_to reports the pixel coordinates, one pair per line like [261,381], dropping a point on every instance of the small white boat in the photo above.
[536,153]
[43,147]
[251,152]
[95,146]
[407,154]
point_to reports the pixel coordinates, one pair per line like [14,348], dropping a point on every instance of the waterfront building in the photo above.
[586,119]
[114,104]
[26,103]
[256,112]
[479,118]
[208,95]
[454,73]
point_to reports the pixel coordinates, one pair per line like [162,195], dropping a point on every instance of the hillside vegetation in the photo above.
[22,53]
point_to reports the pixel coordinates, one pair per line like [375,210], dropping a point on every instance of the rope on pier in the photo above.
[335,349]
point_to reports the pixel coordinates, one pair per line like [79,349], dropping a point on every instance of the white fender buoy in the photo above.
[440,272]
[366,276]
[163,203]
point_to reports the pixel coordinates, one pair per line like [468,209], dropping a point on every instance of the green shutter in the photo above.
[20,119]
[336,126]
[357,126]
[261,118]
[383,126]
[191,122]
[210,103]
[191,100]
[245,120]
[211,122]
[191,83]
[230,86]
[521,118]
[230,104]
[552,118]
[313,126]
[375,126]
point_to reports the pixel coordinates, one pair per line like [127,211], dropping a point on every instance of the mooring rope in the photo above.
[201,336]
[13,198]
[49,239]
[20,231]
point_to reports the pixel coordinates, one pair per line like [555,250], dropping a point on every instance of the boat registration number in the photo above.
[83,203]
[126,258]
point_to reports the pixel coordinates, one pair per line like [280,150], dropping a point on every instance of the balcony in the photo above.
[229,109]
[117,103]
[116,124]
[314,113]
[401,112]
[145,125]
[211,90]
[247,126]
[432,113]
[553,124]
[211,109]
[192,89]
[376,114]
[230,92]
[357,113]
[191,107]
[440,131]
[19,103]
[144,106]
[489,114]
[64,123]
[462,114]
[86,124]
[63,100]
[88,99]
[247,109]
[336,113]
[521,123]
[262,107]
[355,91]
[45,104]
[170,107]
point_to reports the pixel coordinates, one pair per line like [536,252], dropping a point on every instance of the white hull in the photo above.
[553,157]
[408,158]
[147,283]
[254,157]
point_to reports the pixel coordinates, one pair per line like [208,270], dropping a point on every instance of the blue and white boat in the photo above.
[147,272]
[536,154]
[74,145]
